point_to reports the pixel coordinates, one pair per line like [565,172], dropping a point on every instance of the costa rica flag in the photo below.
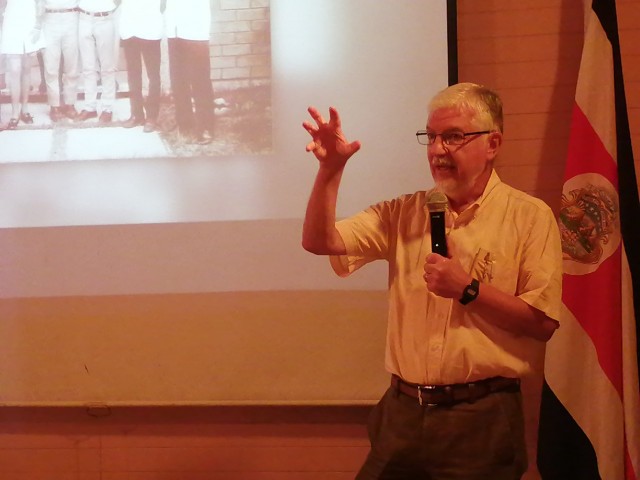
[590,407]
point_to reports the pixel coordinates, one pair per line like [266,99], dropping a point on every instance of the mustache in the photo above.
[442,162]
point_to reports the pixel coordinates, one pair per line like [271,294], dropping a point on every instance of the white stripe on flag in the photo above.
[596,68]
[587,393]
[631,387]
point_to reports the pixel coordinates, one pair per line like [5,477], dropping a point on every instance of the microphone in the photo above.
[437,205]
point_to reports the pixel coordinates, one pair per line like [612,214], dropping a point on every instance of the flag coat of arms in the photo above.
[590,407]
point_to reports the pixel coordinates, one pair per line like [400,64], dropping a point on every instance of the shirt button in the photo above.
[436,348]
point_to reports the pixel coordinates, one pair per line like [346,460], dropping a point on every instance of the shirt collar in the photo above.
[459,220]
[493,182]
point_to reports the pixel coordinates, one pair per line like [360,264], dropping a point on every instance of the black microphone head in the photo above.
[437,201]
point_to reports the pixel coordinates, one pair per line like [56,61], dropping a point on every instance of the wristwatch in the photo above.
[470,292]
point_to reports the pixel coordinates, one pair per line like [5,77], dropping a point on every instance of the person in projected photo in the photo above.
[60,57]
[188,29]
[21,40]
[462,328]
[3,84]
[141,30]
[98,44]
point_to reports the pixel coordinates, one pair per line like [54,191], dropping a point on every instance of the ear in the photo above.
[494,142]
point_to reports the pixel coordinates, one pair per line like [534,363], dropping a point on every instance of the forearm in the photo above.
[319,233]
[512,314]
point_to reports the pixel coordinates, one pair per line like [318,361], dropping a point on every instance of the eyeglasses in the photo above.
[448,138]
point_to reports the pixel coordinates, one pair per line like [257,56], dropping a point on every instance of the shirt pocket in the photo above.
[496,269]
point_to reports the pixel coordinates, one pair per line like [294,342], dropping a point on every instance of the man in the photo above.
[461,329]
[99,55]
[21,41]
[60,27]
[141,30]
[188,28]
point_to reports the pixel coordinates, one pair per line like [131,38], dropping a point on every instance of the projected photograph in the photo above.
[194,80]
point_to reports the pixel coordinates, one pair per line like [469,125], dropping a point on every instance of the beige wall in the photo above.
[528,50]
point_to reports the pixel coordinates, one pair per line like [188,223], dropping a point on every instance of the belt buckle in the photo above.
[420,389]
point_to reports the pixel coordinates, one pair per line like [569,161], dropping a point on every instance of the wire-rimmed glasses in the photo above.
[448,138]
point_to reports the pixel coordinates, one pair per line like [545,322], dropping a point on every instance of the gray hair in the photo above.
[483,103]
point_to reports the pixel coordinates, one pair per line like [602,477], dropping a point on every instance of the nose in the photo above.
[438,146]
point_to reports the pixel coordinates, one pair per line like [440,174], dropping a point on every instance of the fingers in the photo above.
[328,137]
[309,128]
[314,130]
[430,275]
[433,266]
[429,265]
[315,114]
[311,146]
[434,258]
[334,117]
[354,147]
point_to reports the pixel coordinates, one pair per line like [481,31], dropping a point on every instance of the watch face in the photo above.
[470,292]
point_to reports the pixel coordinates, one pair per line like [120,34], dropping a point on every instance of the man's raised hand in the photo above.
[328,143]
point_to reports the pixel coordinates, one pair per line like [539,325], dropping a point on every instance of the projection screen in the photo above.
[94,245]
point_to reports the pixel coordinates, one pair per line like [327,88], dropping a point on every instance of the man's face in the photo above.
[460,170]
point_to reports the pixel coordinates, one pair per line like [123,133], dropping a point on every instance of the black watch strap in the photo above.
[470,292]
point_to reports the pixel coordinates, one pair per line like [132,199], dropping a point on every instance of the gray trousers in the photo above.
[61,37]
[483,440]
[99,55]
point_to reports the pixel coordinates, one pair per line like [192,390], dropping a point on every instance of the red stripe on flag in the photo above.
[587,153]
[630,474]
[595,298]
[595,301]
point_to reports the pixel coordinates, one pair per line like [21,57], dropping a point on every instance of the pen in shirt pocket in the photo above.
[482,267]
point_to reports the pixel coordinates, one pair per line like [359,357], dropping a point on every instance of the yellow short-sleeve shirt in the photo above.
[506,238]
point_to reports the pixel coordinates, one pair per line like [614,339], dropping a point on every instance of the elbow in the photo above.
[320,244]
[310,247]
[314,247]
[310,241]
[540,326]
[546,330]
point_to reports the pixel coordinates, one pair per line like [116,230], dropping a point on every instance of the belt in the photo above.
[447,395]
[60,10]
[96,14]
